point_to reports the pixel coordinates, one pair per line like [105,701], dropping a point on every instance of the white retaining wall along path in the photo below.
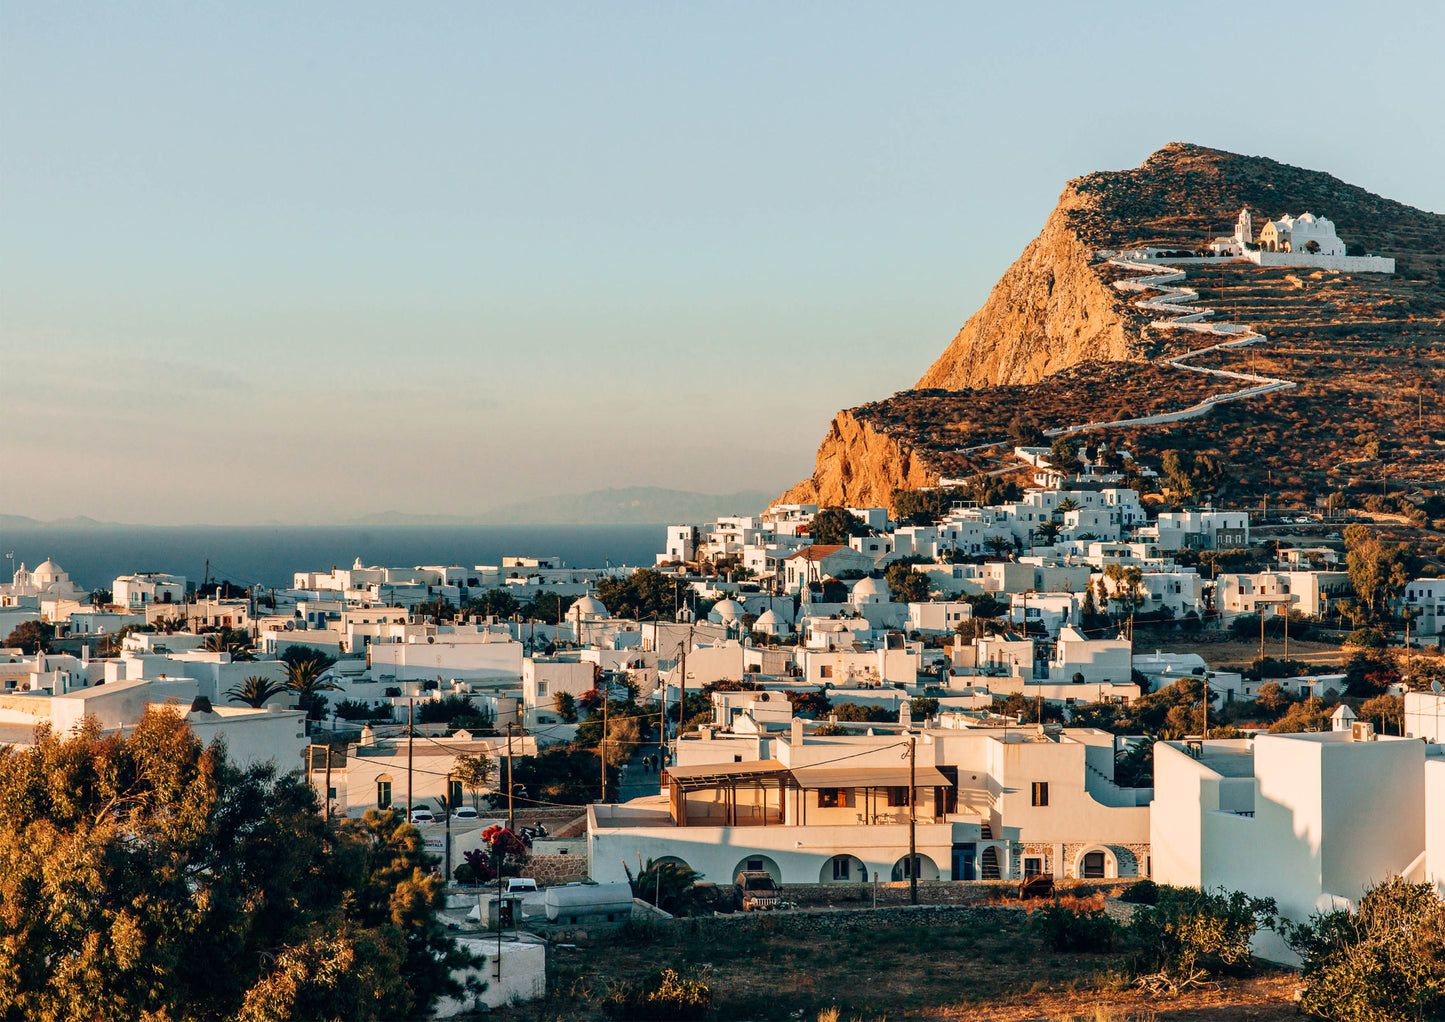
[1175,302]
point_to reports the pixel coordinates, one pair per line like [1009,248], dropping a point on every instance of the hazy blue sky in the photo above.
[308,261]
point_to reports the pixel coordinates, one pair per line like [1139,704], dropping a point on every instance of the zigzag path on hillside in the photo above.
[1173,301]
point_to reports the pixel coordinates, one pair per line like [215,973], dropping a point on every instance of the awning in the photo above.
[869,777]
[703,775]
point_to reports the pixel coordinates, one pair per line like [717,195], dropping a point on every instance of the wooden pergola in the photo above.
[729,778]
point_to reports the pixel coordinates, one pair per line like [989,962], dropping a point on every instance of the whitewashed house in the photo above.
[990,804]
[1310,820]
[152,587]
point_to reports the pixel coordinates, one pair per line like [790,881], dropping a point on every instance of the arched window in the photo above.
[383,791]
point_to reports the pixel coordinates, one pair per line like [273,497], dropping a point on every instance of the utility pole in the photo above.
[602,746]
[682,684]
[912,823]
[511,812]
[328,784]
[410,710]
[450,809]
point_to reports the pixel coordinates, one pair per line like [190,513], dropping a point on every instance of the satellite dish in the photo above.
[1435,687]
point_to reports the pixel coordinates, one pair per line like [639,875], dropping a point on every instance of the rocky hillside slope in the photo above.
[1055,309]
[1048,311]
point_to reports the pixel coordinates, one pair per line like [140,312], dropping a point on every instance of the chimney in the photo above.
[797,735]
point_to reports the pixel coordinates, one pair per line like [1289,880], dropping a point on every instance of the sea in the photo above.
[95,555]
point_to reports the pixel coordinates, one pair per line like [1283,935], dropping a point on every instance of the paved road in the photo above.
[636,780]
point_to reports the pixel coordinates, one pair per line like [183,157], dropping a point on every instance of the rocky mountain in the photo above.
[1054,321]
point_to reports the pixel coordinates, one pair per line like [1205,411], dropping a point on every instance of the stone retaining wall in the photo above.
[940,892]
[552,870]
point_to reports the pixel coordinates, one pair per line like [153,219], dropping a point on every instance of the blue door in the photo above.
[963,862]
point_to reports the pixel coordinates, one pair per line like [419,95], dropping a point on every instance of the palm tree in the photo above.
[303,676]
[1065,506]
[255,690]
[1048,531]
[998,545]
[225,642]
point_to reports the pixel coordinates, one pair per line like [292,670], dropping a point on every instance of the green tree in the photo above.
[925,507]
[254,691]
[1024,432]
[907,585]
[809,703]
[1047,532]
[998,546]
[235,643]
[143,876]
[548,607]
[1064,456]
[473,770]
[1192,934]
[566,705]
[1385,961]
[1193,476]
[1386,712]
[32,637]
[921,707]
[643,594]
[834,526]
[558,775]
[857,713]
[495,602]
[660,883]
[304,668]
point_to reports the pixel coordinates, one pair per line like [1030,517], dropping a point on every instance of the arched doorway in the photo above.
[925,867]
[988,863]
[756,863]
[383,791]
[1096,862]
[843,869]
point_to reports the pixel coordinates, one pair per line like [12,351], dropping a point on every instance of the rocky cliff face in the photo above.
[860,465]
[1049,311]
[1055,309]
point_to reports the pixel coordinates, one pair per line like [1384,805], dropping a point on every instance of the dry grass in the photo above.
[976,966]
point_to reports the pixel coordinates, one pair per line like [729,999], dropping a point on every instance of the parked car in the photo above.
[422,816]
[521,885]
[754,890]
[464,813]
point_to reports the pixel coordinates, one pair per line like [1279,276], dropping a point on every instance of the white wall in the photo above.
[800,853]
[1435,822]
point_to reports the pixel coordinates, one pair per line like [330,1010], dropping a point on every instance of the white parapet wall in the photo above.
[523,976]
[1304,260]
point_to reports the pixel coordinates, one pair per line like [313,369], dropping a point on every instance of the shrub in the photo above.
[1368,638]
[1385,962]
[660,883]
[922,706]
[1141,892]
[663,994]
[360,709]
[1189,933]
[1063,929]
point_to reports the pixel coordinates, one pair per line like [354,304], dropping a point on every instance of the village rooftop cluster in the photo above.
[948,641]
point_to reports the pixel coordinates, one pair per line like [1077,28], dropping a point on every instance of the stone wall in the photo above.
[552,870]
[938,892]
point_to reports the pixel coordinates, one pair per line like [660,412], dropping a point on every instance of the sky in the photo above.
[306,262]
